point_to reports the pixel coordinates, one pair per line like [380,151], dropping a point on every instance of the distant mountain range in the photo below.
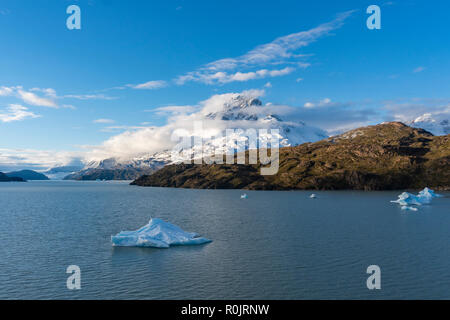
[5,178]
[112,169]
[28,175]
[59,173]
[437,124]
[108,174]
[239,111]
[385,156]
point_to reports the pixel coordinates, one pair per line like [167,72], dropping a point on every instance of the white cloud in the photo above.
[321,103]
[33,99]
[268,85]
[16,159]
[49,92]
[173,110]
[89,97]
[223,77]
[103,121]
[280,51]
[68,106]
[299,79]
[49,97]
[419,69]
[408,110]
[150,85]
[121,128]
[334,117]
[6,91]
[147,140]
[16,112]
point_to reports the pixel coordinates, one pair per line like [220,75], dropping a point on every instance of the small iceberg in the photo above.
[406,199]
[158,234]
[244,196]
[428,194]
[409,208]
[313,196]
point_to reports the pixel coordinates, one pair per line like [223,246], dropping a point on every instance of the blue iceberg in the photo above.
[406,199]
[158,234]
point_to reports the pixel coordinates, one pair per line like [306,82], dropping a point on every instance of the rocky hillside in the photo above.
[382,157]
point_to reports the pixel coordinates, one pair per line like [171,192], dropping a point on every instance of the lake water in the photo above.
[273,245]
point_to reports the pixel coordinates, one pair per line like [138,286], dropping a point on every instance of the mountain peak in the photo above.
[385,130]
[236,107]
[438,124]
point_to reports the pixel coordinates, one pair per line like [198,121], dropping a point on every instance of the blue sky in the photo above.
[61,89]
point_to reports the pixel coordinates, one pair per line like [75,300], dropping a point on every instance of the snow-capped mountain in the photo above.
[437,124]
[238,112]
[247,112]
[58,173]
[152,161]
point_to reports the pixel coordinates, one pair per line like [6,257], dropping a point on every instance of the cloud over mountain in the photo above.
[220,112]
[14,159]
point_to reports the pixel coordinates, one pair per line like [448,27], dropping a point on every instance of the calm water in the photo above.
[273,245]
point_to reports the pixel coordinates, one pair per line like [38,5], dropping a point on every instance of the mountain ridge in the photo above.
[238,111]
[27,175]
[381,157]
[5,178]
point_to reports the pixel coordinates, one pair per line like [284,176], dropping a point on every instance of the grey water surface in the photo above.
[273,245]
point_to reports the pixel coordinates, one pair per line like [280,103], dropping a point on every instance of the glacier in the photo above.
[158,234]
[408,200]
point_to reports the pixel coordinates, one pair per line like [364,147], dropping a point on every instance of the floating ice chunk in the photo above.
[407,198]
[157,233]
[313,196]
[424,196]
[409,208]
[244,196]
[428,194]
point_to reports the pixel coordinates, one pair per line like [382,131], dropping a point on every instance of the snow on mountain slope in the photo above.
[155,160]
[58,173]
[438,123]
[221,112]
